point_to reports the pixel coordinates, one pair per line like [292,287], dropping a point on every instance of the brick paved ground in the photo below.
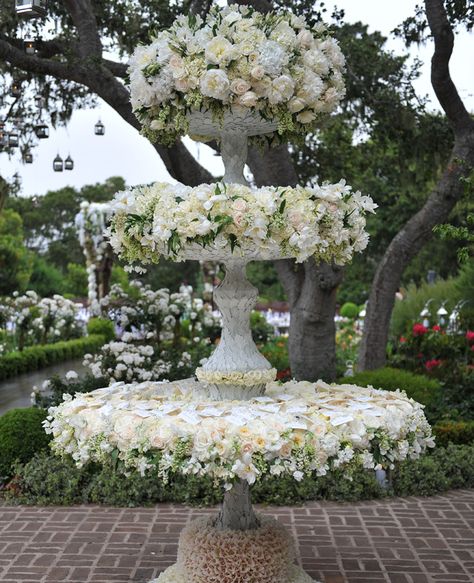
[412,540]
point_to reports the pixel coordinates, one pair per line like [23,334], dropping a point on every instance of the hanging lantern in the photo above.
[68,163]
[42,131]
[13,140]
[99,128]
[29,46]
[28,158]
[15,89]
[31,8]
[58,164]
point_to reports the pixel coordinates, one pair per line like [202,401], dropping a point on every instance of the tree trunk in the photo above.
[310,287]
[237,512]
[418,230]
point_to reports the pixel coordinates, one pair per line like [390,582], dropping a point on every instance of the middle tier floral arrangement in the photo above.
[274,65]
[325,222]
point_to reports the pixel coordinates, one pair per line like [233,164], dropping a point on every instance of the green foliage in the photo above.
[75,282]
[276,352]
[419,387]
[15,260]
[407,311]
[263,275]
[444,469]
[170,275]
[47,479]
[101,326]
[458,432]
[49,220]
[349,310]
[35,357]
[21,436]
[261,330]
[46,279]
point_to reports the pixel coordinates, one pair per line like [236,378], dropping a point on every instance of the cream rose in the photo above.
[296,104]
[257,72]
[248,99]
[239,86]
[306,116]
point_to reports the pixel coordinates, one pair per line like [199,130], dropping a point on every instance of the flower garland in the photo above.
[272,64]
[326,222]
[91,222]
[295,429]
[235,377]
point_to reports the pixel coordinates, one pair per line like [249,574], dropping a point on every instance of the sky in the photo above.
[123,152]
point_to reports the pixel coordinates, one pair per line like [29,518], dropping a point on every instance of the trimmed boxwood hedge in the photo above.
[36,357]
[21,436]
[419,387]
[458,432]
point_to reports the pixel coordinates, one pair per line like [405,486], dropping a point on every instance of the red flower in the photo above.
[402,339]
[470,336]
[436,328]
[419,329]
[431,364]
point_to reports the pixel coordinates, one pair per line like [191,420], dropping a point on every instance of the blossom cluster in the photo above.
[326,222]
[272,64]
[162,335]
[295,429]
[29,319]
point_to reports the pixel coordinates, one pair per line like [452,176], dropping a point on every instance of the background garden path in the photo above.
[409,540]
[16,392]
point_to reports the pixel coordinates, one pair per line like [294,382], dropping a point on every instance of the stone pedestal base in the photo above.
[207,554]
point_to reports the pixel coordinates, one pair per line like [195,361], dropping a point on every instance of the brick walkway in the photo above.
[412,540]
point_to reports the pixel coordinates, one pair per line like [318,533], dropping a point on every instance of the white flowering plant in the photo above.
[274,65]
[325,222]
[295,429]
[29,319]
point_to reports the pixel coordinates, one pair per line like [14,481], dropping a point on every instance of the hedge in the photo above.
[47,479]
[21,436]
[458,432]
[36,357]
[419,387]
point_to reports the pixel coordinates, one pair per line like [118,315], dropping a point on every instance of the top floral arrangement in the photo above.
[272,65]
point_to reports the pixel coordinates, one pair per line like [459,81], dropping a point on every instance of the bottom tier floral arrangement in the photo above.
[295,428]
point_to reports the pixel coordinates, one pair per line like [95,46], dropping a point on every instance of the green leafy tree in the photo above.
[15,260]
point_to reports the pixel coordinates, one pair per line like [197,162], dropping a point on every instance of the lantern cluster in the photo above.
[59,164]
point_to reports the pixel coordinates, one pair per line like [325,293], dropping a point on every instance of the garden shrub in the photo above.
[47,479]
[261,329]
[276,352]
[35,357]
[407,311]
[349,310]
[21,436]
[458,432]
[419,387]
[101,326]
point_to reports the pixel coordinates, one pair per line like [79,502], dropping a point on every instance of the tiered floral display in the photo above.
[238,75]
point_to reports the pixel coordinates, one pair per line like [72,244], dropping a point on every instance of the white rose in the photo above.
[306,116]
[215,83]
[157,124]
[257,72]
[239,86]
[296,104]
[305,39]
[248,99]
[218,50]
